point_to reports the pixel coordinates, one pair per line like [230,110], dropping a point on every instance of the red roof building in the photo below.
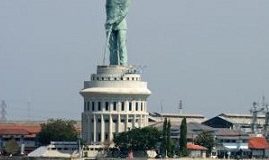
[23,133]
[196,150]
[191,146]
[259,147]
[258,143]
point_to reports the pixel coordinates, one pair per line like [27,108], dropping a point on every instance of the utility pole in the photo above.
[180,106]
[3,117]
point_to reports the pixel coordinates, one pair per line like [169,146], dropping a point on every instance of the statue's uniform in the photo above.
[116,23]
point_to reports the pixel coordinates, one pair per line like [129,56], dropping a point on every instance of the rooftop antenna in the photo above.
[255,110]
[180,106]
[3,111]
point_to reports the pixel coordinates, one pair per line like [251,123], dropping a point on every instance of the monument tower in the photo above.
[115,97]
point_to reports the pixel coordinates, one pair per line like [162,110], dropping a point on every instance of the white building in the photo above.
[115,100]
[57,150]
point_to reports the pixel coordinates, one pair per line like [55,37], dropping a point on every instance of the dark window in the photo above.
[115,120]
[97,78]
[136,106]
[122,120]
[133,78]
[106,136]
[128,78]
[92,120]
[106,120]
[93,106]
[122,106]
[129,120]
[103,78]
[121,78]
[107,104]
[115,78]
[99,136]
[141,106]
[114,106]
[99,120]
[99,106]
[130,106]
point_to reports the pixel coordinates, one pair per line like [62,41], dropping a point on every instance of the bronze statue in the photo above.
[116,29]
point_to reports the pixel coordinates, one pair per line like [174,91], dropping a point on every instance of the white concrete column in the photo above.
[89,133]
[126,122]
[110,128]
[118,127]
[145,106]
[102,128]
[94,128]
[146,120]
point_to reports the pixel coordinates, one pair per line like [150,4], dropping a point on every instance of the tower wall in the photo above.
[115,100]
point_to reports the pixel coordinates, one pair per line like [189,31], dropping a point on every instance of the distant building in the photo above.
[196,151]
[235,121]
[23,133]
[231,143]
[259,147]
[193,130]
[57,150]
[175,118]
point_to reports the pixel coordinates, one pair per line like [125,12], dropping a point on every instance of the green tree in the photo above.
[183,139]
[138,139]
[57,130]
[167,146]
[11,147]
[164,138]
[205,139]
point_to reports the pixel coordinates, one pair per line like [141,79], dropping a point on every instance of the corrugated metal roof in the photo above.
[228,132]
[241,118]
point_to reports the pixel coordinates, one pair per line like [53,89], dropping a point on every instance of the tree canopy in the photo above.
[167,146]
[11,147]
[205,139]
[138,139]
[57,130]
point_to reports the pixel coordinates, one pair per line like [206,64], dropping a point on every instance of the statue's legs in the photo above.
[122,48]
[118,48]
[113,49]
